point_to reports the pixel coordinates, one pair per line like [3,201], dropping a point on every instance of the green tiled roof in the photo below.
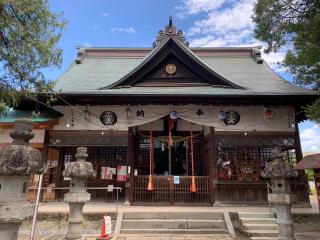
[97,72]
[44,116]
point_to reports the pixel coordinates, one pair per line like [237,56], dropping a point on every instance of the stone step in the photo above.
[169,236]
[172,224]
[173,215]
[258,220]
[262,233]
[256,215]
[173,231]
[263,238]
[55,237]
[260,226]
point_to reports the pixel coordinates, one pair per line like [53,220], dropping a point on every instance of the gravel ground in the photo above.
[45,231]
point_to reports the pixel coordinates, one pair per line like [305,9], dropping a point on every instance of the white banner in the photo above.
[122,117]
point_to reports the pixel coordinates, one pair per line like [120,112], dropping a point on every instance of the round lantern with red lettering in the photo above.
[268,114]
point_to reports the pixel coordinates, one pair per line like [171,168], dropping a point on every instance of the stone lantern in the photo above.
[280,173]
[78,171]
[17,162]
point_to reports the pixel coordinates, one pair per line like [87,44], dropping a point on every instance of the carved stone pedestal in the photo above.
[14,207]
[127,193]
[78,171]
[75,219]
[283,204]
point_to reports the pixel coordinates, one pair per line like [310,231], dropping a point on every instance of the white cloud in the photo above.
[310,140]
[191,7]
[106,14]
[85,44]
[274,60]
[315,148]
[126,30]
[236,17]
[225,23]
[236,38]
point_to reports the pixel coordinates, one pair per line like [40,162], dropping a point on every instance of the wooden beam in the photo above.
[77,133]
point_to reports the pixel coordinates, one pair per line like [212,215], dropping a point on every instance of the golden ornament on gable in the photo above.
[171,68]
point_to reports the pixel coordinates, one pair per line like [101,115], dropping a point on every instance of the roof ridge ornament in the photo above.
[256,52]
[80,55]
[170,31]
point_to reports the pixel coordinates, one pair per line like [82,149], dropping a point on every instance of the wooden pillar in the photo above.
[59,174]
[44,153]
[210,151]
[214,157]
[213,170]
[298,144]
[170,160]
[302,176]
[205,169]
[130,161]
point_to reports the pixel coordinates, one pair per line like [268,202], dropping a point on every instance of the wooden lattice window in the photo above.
[112,156]
[243,157]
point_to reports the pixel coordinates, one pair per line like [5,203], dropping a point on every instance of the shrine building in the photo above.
[170,124]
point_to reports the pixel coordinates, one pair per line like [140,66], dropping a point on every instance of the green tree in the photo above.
[294,25]
[29,33]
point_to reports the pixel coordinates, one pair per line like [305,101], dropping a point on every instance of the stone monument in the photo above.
[78,171]
[280,172]
[17,162]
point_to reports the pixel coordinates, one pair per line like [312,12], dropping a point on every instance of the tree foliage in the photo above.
[294,25]
[29,33]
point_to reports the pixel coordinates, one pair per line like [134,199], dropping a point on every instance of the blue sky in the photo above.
[128,23]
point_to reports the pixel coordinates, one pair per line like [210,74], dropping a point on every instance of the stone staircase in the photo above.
[259,226]
[173,223]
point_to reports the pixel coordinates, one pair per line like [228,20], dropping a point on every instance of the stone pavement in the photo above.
[103,207]
[142,237]
[299,236]
[308,236]
[173,237]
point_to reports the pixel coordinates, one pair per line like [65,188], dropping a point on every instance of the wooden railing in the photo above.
[166,192]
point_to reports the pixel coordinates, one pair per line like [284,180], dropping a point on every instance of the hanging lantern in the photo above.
[174,115]
[222,115]
[268,114]
[108,118]
[232,118]
[193,187]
